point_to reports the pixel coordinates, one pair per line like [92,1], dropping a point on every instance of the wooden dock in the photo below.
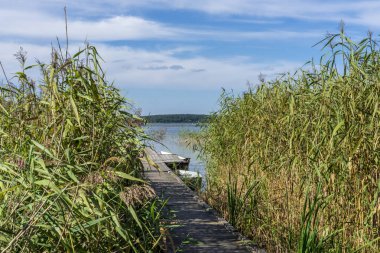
[173,161]
[197,226]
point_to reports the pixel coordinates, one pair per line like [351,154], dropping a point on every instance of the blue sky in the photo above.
[175,56]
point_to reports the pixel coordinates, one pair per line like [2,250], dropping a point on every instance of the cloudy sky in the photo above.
[174,56]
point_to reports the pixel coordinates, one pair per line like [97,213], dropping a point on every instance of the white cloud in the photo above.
[130,67]
[41,26]
[367,18]
[357,12]
[142,68]
[322,10]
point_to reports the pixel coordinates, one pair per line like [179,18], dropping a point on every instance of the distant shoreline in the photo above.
[176,118]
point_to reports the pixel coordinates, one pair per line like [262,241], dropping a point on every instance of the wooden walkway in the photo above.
[197,227]
[172,160]
[164,158]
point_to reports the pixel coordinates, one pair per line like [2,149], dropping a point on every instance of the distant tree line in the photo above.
[176,118]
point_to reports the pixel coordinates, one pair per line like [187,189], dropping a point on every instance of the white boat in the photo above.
[191,178]
[188,174]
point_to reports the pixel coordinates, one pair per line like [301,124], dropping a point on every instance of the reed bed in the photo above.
[295,163]
[70,174]
[192,139]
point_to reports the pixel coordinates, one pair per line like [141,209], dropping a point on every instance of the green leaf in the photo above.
[43,182]
[81,138]
[128,177]
[42,148]
[75,109]
[88,224]
[5,111]
[72,176]
[134,215]
[48,183]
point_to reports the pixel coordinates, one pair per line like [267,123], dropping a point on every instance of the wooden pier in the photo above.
[197,228]
[173,161]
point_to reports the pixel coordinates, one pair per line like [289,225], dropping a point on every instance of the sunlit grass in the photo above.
[295,163]
[69,163]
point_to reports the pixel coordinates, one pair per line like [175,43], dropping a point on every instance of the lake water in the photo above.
[171,142]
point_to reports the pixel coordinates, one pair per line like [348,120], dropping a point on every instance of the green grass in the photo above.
[69,163]
[295,163]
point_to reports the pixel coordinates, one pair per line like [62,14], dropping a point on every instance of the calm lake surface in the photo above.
[171,142]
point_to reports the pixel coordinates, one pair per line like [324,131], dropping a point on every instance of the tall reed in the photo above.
[295,163]
[69,163]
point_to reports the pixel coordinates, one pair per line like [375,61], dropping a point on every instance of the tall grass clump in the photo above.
[295,162]
[69,162]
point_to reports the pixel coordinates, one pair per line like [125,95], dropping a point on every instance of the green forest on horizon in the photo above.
[176,118]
